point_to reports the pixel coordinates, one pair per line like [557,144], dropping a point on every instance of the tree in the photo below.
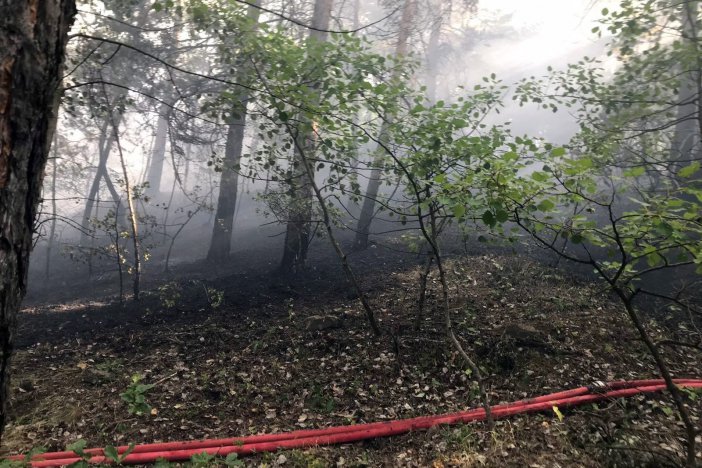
[33,37]
[368,210]
[236,125]
[571,200]
[440,149]
[624,197]
[158,155]
[110,70]
[297,233]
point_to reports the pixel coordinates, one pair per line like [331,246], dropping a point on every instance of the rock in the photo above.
[526,335]
[323,322]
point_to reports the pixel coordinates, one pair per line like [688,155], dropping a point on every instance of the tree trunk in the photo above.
[432,62]
[186,174]
[352,205]
[33,36]
[368,210]
[309,168]
[133,218]
[687,138]
[678,400]
[158,155]
[220,245]
[107,137]
[297,234]
[52,229]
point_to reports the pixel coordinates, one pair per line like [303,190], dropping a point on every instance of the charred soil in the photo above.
[243,353]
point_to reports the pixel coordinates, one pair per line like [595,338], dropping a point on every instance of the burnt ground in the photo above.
[251,365]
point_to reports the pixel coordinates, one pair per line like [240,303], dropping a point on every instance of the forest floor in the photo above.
[255,363]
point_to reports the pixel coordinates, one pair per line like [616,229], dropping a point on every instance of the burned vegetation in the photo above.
[361,233]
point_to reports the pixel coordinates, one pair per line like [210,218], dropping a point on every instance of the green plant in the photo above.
[302,459]
[215,297]
[462,437]
[110,366]
[205,460]
[233,460]
[320,401]
[78,447]
[135,396]
[169,294]
[112,454]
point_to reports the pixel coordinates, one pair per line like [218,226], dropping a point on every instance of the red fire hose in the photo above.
[179,451]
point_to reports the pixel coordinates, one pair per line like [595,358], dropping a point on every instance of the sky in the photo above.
[546,33]
[551,31]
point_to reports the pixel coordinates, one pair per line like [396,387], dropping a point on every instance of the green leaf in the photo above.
[129,450]
[546,205]
[459,211]
[510,156]
[199,12]
[416,109]
[689,171]
[111,453]
[539,176]
[635,171]
[77,447]
[488,218]
[654,259]
[560,151]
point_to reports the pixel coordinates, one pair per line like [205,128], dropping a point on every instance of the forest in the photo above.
[348,233]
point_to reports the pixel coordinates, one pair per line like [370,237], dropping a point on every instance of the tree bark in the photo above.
[297,234]
[107,135]
[33,36]
[678,400]
[220,245]
[432,62]
[158,155]
[309,168]
[133,218]
[687,143]
[368,210]
[104,147]
[352,204]
[52,229]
